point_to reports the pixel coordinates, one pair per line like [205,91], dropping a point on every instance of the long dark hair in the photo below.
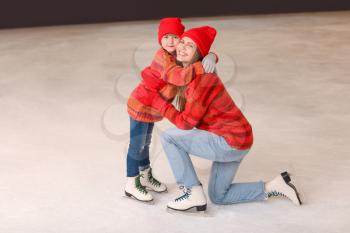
[180,96]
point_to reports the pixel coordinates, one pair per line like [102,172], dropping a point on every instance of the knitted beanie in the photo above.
[203,37]
[170,26]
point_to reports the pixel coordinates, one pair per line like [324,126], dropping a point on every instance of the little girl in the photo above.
[143,115]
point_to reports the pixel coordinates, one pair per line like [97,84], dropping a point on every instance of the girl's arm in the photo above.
[152,79]
[170,72]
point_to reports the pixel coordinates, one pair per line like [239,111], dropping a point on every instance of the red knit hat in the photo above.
[170,26]
[203,37]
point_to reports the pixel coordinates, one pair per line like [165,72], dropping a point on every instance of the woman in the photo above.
[211,126]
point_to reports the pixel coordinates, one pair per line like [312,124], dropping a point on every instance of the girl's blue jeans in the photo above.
[178,144]
[138,152]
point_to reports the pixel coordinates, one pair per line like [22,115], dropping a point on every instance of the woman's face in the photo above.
[169,42]
[185,50]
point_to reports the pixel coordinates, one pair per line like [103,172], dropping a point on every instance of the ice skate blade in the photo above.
[193,211]
[130,196]
[296,191]
[198,208]
[287,179]
[296,184]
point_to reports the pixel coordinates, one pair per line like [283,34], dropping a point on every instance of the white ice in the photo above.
[64,126]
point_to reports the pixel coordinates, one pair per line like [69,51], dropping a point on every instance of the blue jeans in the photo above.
[178,144]
[138,152]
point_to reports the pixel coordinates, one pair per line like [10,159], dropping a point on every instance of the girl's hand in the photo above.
[152,79]
[148,97]
[209,63]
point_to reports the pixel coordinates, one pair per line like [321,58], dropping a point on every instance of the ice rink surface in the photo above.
[64,126]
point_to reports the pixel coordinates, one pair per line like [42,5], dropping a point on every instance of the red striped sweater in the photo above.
[164,64]
[209,107]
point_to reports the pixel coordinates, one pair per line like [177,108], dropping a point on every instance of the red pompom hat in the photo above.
[170,26]
[203,37]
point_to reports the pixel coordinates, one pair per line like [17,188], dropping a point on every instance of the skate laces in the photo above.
[139,186]
[275,194]
[186,195]
[153,180]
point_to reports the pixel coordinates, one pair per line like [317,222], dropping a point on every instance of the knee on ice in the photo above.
[215,198]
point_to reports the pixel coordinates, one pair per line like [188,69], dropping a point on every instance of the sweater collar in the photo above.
[198,68]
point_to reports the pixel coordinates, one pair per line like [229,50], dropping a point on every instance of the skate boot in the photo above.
[281,186]
[135,189]
[150,182]
[192,197]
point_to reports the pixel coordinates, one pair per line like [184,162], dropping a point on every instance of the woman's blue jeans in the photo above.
[178,144]
[138,152]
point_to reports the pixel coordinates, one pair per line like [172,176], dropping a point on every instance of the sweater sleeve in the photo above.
[180,76]
[152,80]
[170,72]
[196,106]
[187,119]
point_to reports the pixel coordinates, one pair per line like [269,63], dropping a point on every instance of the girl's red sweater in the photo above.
[165,67]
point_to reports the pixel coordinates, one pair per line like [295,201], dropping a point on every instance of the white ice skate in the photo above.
[150,182]
[282,186]
[135,189]
[192,197]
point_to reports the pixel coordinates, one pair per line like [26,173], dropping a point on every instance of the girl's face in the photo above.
[169,42]
[185,50]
